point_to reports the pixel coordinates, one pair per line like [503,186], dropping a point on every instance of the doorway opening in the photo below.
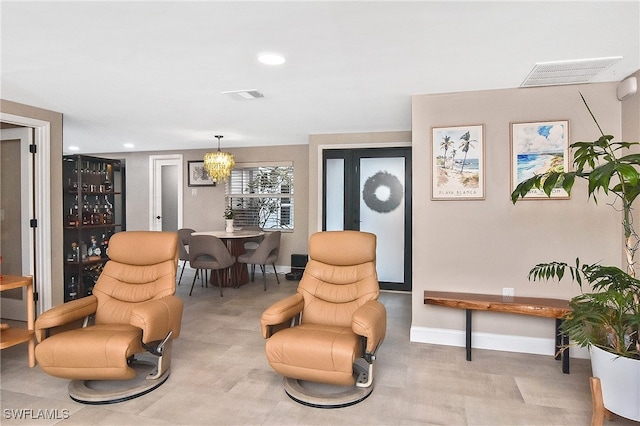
[41,208]
[165,192]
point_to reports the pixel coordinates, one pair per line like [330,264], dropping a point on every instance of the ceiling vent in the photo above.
[244,95]
[567,72]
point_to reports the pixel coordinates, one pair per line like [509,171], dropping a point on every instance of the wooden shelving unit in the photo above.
[12,336]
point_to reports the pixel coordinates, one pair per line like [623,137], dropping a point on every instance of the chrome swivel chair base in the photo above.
[100,392]
[320,395]
[152,370]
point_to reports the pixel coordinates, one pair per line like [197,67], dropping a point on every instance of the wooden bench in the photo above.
[540,307]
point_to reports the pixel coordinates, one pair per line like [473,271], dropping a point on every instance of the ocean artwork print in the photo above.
[538,148]
[457,155]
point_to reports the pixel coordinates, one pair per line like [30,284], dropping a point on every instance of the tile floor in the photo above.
[220,377]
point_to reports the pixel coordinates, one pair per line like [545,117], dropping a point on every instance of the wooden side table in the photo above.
[536,306]
[11,336]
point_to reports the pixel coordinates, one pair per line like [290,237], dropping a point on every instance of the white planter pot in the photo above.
[229,225]
[620,380]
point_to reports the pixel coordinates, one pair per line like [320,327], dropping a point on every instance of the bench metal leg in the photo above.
[565,354]
[562,340]
[558,354]
[468,343]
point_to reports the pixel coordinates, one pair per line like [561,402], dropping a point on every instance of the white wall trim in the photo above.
[496,342]
[322,147]
[42,139]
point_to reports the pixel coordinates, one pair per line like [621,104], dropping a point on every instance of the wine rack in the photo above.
[94,210]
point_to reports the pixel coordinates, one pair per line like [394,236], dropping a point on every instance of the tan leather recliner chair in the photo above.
[329,330]
[133,309]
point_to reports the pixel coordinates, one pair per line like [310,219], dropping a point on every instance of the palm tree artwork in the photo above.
[465,145]
[455,175]
[445,145]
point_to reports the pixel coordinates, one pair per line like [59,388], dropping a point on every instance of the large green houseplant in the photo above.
[606,315]
[609,316]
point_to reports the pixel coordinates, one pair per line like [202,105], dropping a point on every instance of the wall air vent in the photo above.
[244,95]
[567,72]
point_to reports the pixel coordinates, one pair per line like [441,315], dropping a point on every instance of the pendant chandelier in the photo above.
[218,164]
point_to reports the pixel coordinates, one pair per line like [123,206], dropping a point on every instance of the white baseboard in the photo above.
[496,342]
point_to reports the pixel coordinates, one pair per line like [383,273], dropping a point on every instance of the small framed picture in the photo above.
[457,163]
[537,148]
[198,175]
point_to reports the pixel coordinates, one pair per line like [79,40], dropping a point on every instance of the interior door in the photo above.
[166,192]
[16,205]
[370,190]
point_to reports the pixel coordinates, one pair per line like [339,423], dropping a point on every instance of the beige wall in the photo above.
[631,115]
[631,132]
[484,246]
[204,210]
[55,119]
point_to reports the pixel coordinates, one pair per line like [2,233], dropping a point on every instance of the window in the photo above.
[261,194]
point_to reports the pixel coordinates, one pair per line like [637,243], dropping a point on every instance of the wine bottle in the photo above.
[73,289]
[86,212]
[104,245]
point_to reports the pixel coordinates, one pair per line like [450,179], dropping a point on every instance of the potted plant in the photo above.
[228,218]
[606,317]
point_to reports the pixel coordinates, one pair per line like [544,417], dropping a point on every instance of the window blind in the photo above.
[261,194]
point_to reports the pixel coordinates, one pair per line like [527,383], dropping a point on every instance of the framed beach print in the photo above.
[198,176]
[457,163]
[537,148]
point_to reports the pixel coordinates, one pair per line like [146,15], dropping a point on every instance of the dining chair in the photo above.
[266,253]
[183,242]
[251,244]
[209,252]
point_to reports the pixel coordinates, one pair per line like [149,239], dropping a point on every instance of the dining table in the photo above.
[235,243]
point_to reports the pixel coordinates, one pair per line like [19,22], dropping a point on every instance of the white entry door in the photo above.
[165,191]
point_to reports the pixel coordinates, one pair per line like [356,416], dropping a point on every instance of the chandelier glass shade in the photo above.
[219,164]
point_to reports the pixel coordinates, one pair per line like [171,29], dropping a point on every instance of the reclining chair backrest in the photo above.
[339,277]
[142,266]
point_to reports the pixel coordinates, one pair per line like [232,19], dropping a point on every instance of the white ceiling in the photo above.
[151,73]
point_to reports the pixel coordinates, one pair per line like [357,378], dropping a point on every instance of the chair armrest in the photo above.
[157,317]
[370,321]
[66,313]
[280,312]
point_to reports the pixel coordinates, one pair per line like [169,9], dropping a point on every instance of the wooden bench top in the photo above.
[537,306]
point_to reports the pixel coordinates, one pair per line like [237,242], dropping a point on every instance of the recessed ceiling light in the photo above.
[270,58]
[128,145]
[74,148]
